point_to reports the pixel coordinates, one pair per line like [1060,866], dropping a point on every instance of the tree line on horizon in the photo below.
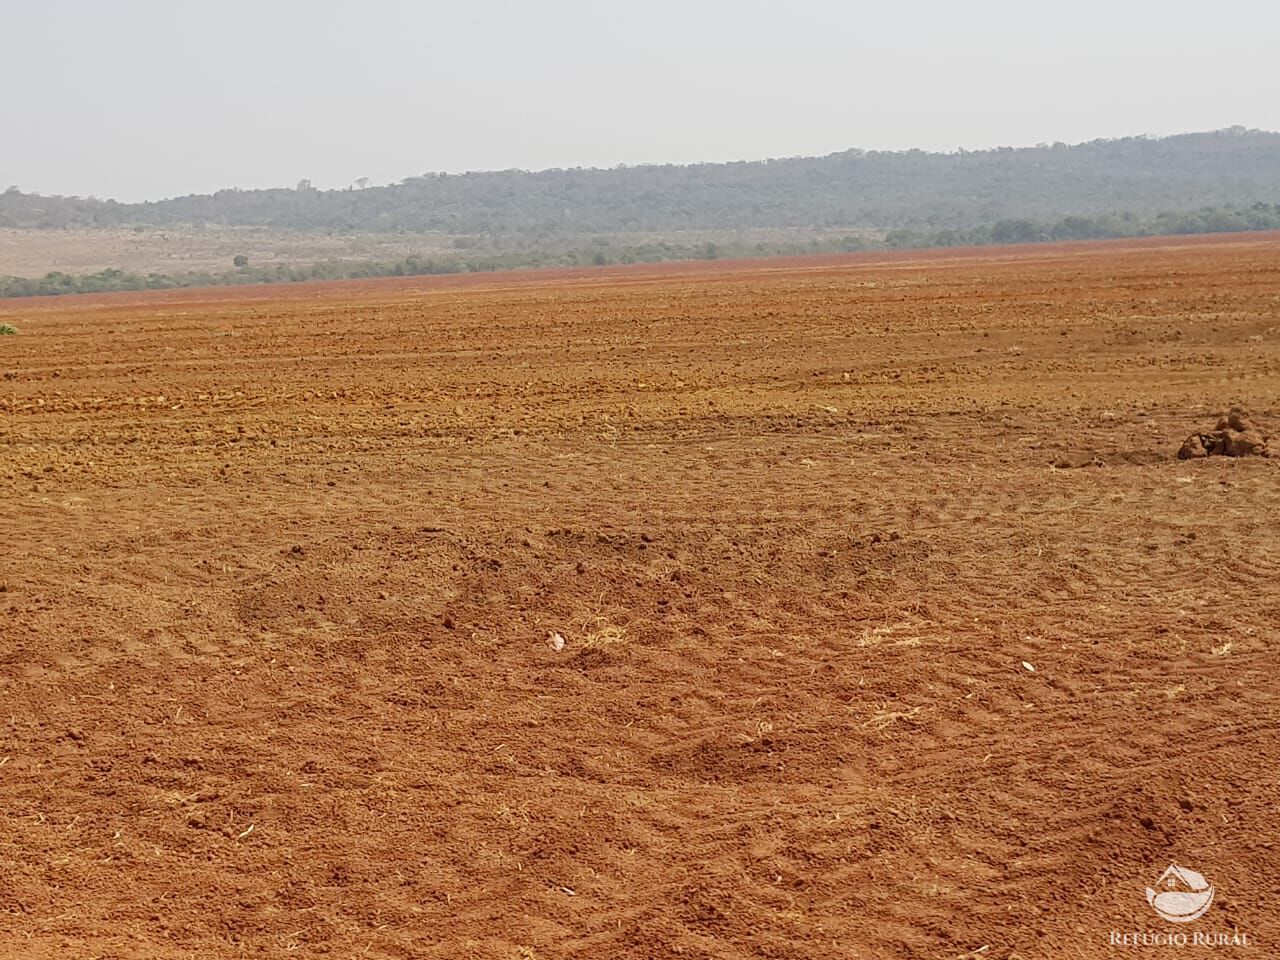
[1256,216]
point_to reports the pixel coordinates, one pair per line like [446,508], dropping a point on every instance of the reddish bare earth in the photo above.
[893,627]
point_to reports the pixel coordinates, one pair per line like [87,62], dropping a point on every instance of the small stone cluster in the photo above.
[1235,436]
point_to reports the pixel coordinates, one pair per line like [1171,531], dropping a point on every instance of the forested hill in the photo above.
[854,189]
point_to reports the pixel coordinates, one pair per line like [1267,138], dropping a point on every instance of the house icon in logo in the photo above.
[1181,895]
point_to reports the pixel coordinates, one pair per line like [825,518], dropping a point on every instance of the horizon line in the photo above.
[1234,129]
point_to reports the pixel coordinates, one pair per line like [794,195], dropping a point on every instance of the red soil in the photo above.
[281,565]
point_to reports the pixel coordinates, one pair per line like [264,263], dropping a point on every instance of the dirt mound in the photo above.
[1235,435]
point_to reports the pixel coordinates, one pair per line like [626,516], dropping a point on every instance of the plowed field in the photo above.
[892,627]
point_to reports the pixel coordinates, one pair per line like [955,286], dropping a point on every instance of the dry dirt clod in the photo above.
[1234,435]
[1192,448]
[1245,443]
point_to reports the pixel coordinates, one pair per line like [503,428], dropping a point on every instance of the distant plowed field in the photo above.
[814,609]
[33,253]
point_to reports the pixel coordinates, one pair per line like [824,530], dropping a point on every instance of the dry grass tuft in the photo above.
[883,719]
[599,634]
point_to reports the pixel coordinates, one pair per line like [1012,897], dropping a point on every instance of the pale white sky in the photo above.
[154,98]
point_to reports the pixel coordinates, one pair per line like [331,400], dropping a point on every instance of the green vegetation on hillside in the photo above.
[854,190]
[1258,216]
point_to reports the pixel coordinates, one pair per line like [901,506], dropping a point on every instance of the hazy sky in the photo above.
[141,100]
